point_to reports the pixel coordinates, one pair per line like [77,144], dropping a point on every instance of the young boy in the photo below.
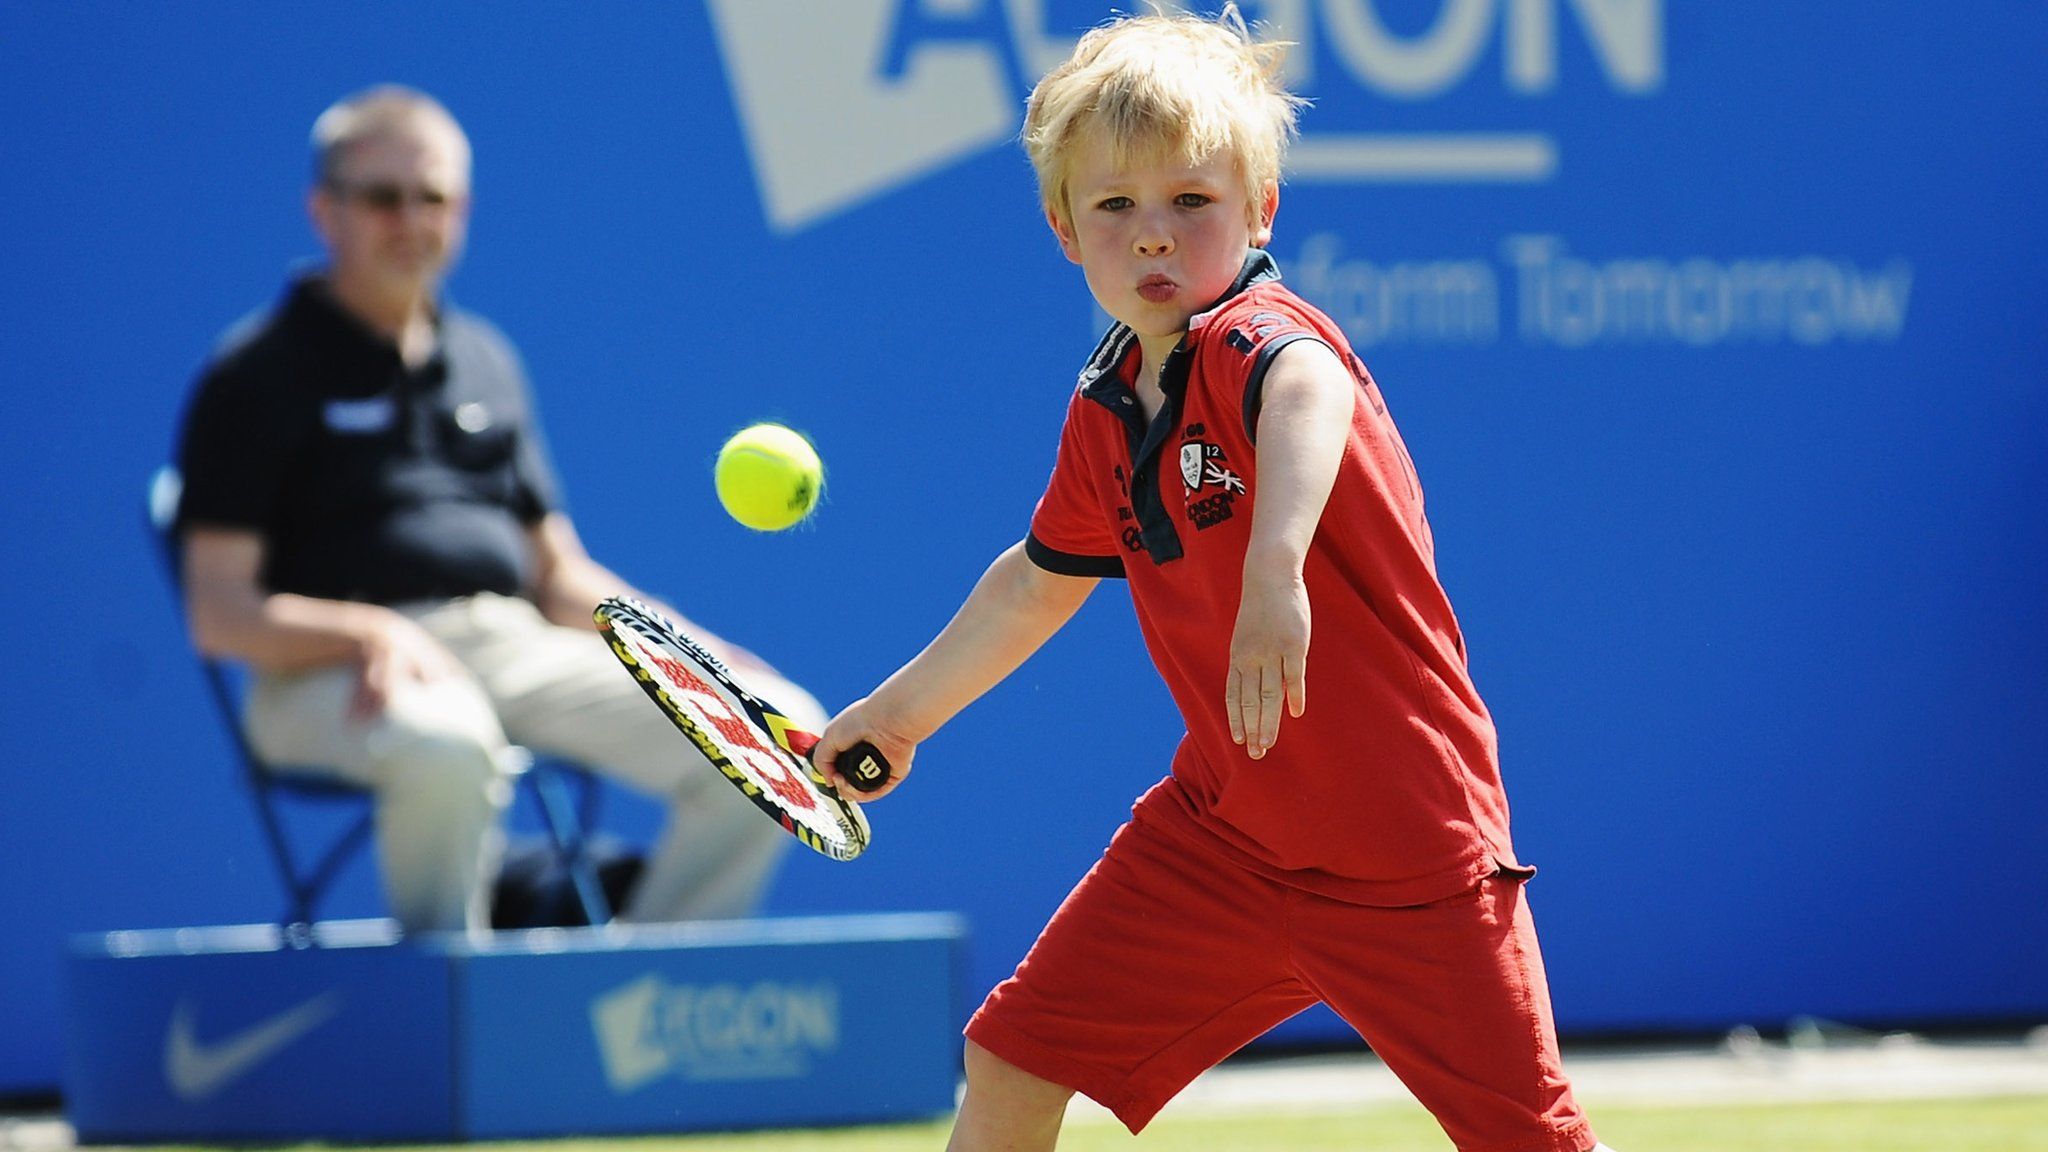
[1229,456]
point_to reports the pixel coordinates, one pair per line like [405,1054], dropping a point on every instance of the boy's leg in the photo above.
[433,759]
[1452,996]
[560,692]
[1161,962]
[1006,1109]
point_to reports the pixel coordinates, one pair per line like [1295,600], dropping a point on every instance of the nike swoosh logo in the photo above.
[197,1070]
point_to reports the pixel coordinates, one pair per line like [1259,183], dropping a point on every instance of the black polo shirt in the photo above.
[368,480]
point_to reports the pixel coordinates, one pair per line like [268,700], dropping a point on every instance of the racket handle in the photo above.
[864,766]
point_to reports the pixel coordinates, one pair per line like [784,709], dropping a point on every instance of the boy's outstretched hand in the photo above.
[862,721]
[1268,661]
[1304,425]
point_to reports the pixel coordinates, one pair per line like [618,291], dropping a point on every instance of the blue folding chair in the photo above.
[566,818]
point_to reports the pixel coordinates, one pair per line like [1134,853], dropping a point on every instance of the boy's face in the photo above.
[1159,240]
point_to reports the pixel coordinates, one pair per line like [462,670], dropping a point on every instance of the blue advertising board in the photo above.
[228,1033]
[1714,329]
[734,1025]
[232,1034]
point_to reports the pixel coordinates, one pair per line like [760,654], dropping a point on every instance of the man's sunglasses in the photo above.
[382,196]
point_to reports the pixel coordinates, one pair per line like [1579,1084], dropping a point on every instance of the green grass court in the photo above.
[2008,1124]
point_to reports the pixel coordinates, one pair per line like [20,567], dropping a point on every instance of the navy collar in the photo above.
[1102,384]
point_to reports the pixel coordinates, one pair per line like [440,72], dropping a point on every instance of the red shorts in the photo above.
[1164,960]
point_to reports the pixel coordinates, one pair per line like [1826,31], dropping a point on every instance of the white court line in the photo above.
[1452,158]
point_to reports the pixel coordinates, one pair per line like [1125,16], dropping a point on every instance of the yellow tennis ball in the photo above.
[769,477]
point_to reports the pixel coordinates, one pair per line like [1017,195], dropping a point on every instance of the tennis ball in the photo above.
[769,477]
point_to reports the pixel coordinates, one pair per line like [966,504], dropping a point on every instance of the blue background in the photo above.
[1762,621]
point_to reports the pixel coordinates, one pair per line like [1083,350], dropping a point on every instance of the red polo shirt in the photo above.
[1387,790]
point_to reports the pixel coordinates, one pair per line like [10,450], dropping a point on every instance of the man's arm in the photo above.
[567,582]
[1304,421]
[232,616]
[1014,608]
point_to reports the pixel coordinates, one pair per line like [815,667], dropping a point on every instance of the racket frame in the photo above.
[778,736]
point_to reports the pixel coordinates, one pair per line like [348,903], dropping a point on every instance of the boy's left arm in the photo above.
[1304,421]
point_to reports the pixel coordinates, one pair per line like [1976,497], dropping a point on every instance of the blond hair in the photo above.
[1164,86]
[377,113]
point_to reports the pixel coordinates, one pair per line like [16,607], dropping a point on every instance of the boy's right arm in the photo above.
[1014,608]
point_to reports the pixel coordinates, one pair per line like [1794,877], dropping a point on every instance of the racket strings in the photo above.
[720,722]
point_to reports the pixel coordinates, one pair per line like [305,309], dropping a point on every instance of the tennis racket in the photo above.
[763,752]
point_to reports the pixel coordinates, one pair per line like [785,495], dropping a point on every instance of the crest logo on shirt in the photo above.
[1201,466]
[1212,487]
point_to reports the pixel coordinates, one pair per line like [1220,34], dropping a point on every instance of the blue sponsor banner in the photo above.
[805,1021]
[228,1033]
[1714,329]
[231,1034]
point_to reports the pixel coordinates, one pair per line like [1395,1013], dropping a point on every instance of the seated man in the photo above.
[370,523]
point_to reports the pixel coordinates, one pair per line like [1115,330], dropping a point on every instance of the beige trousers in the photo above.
[435,758]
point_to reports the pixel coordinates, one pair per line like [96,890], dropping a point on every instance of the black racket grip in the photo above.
[864,766]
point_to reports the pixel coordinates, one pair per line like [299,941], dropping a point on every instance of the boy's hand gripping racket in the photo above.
[755,746]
